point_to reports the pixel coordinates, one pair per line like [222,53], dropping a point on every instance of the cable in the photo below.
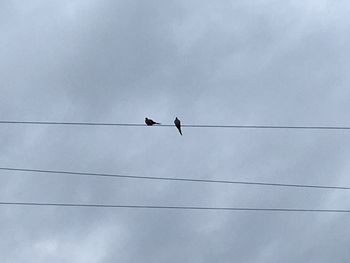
[177,207]
[184,125]
[175,179]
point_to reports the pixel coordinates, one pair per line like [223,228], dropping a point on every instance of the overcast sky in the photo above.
[257,62]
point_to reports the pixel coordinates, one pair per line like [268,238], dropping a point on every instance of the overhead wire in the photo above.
[303,127]
[193,208]
[173,178]
[181,179]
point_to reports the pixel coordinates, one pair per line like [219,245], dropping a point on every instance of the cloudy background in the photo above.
[208,62]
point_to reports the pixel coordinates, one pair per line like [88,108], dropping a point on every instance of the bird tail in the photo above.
[180,132]
[158,123]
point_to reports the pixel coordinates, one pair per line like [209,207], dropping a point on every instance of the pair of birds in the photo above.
[177,122]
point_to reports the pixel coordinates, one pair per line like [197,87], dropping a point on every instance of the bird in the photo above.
[178,125]
[150,122]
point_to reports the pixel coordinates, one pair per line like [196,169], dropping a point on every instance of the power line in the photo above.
[174,179]
[184,125]
[175,207]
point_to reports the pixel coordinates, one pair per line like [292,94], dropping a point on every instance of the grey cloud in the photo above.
[243,62]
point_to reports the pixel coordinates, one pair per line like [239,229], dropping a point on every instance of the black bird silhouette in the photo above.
[178,125]
[150,122]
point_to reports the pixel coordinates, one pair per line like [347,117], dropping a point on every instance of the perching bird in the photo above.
[178,124]
[150,122]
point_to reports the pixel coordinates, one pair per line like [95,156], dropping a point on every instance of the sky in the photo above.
[244,62]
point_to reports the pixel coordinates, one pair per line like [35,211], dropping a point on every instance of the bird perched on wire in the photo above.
[178,125]
[150,122]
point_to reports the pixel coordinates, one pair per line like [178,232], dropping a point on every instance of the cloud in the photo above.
[242,62]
